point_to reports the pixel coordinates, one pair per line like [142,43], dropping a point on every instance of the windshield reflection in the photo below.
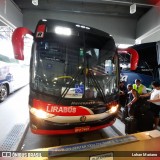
[72,72]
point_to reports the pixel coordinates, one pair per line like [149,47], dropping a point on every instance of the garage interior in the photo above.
[129,22]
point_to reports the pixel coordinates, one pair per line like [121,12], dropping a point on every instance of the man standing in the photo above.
[139,87]
[154,101]
[122,94]
[133,97]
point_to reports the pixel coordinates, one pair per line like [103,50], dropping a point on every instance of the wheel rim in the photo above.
[3,93]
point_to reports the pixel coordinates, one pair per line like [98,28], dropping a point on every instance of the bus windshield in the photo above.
[80,67]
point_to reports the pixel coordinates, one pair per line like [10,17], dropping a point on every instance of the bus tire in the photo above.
[3,92]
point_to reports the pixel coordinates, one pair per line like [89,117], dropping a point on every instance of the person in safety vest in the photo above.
[139,87]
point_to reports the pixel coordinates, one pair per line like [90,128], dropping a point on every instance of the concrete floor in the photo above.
[13,112]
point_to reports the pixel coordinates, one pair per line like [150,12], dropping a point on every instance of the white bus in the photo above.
[13,73]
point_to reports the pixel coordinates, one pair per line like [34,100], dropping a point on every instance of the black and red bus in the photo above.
[74,74]
[141,61]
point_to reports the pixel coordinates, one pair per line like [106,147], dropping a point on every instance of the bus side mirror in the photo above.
[134,56]
[18,42]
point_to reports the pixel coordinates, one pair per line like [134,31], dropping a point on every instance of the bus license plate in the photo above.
[82,129]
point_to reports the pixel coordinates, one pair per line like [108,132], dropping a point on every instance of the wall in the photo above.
[148,27]
[122,29]
[10,14]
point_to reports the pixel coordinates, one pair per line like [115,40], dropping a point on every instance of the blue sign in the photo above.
[129,77]
[49,66]
[79,88]
[61,150]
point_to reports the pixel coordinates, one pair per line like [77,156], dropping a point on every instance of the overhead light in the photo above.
[123,46]
[133,8]
[35,2]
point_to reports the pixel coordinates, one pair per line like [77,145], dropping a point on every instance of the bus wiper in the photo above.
[69,86]
[91,77]
[96,84]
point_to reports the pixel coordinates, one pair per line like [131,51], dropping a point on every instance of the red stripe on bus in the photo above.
[61,110]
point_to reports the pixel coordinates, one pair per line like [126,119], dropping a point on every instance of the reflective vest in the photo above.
[139,89]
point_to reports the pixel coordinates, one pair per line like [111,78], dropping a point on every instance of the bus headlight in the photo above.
[113,109]
[40,113]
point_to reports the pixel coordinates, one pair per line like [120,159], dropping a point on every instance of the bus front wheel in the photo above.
[3,92]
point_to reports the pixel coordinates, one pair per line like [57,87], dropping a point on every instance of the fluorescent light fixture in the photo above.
[63,31]
[123,46]
[35,2]
[133,8]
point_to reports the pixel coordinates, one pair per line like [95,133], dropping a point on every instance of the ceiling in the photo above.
[95,7]
[1,23]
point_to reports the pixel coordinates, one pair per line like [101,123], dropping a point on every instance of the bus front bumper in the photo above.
[71,124]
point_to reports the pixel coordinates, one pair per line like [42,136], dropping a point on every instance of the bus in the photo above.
[142,62]
[74,76]
[11,71]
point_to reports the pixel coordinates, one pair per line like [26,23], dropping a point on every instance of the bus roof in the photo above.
[144,45]
[76,26]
